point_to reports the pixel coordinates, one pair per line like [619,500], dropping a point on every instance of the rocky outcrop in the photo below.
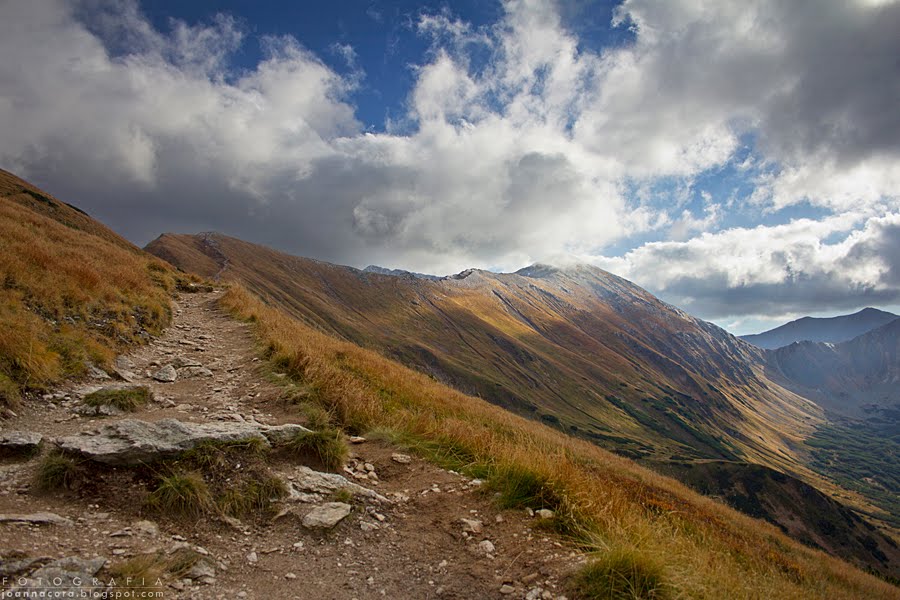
[70,577]
[19,442]
[131,442]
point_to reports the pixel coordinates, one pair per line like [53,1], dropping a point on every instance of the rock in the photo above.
[530,578]
[128,376]
[252,558]
[535,594]
[368,527]
[97,373]
[403,459]
[39,518]
[20,442]
[487,547]
[507,589]
[102,410]
[131,442]
[290,576]
[167,374]
[145,527]
[544,513]
[202,568]
[326,515]
[472,525]
[307,481]
[11,568]
[196,372]
[71,577]
[182,362]
[355,439]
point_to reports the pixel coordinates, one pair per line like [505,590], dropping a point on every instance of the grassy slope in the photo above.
[71,290]
[704,549]
[574,361]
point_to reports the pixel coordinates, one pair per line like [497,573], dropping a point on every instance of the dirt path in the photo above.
[414,546]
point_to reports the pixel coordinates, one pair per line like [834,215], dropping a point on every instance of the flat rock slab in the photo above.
[20,442]
[40,518]
[132,442]
[327,515]
[307,484]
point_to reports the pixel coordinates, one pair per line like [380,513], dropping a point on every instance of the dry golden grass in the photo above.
[71,291]
[606,503]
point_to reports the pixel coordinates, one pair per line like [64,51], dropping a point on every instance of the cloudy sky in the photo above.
[740,159]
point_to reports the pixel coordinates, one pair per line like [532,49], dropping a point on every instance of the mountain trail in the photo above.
[387,526]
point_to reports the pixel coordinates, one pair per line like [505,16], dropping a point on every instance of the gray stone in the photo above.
[196,372]
[124,363]
[97,373]
[124,374]
[507,589]
[326,515]
[202,568]
[472,525]
[12,568]
[145,527]
[544,513]
[167,374]
[20,442]
[307,483]
[487,546]
[68,577]
[131,442]
[182,362]
[38,518]
[403,459]
[102,410]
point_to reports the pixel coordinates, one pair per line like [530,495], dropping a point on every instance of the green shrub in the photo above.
[328,446]
[254,496]
[520,487]
[59,471]
[125,399]
[184,495]
[621,574]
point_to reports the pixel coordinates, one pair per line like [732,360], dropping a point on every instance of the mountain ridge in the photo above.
[833,330]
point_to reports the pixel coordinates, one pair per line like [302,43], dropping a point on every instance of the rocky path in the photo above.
[387,526]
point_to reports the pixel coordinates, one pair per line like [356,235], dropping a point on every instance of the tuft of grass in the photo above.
[518,486]
[125,399]
[9,392]
[253,497]
[622,574]
[328,446]
[182,495]
[59,471]
[139,574]
[218,458]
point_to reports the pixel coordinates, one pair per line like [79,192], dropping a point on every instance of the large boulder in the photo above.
[131,442]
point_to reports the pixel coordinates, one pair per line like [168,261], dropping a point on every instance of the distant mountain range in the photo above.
[399,273]
[813,329]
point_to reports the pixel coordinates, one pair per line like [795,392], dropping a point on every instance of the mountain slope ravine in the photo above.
[412,543]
